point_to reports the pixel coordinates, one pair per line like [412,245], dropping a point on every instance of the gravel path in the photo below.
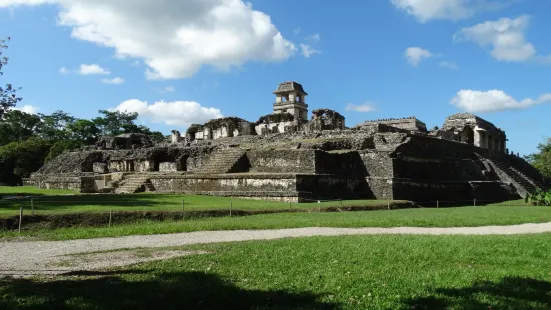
[53,257]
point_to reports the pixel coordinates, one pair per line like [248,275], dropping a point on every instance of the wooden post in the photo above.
[110,216]
[474,202]
[20,217]
[340,200]
[388,204]
[32,206]
[231,206]
[437,204]
[319,206]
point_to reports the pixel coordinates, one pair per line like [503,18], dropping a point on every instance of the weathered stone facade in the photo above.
[285,157]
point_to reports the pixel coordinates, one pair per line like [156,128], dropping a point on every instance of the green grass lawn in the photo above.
[448,217]
[53,201]
[346,272]
[31,190]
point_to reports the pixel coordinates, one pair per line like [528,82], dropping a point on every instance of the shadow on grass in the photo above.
[190,290]
[509,293]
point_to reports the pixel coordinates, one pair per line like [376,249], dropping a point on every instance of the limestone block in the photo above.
[167,167]
[99,167]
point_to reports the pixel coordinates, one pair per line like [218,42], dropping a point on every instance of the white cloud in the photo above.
[426,10]
[313,38]
[174,113]
[28,109]
[448,65]
[174,38]
[366,107]
[505,36]
[116,80]
[92,69]
[63,70]
[415,55]
[308,51]
[493,101]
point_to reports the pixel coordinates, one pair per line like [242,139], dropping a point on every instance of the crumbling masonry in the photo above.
[284,156]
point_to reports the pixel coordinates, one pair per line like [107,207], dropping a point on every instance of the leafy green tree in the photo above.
[54,126]
[8,98]
[18,126]
[542,159]
[114,123]
[117,122]
[20,158]
[61,146]
[83,130]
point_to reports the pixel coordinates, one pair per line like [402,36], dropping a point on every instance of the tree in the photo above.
[54,126]
[83,130]
[18,126]
[542,159]
[61,146]
[116,123]
[8,98]
[20,158]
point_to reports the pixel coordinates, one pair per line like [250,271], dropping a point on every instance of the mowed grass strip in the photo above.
[346,272]
[448,217]
[57,201]
[53,201]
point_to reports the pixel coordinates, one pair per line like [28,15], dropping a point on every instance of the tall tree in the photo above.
[542,159]
[83,130]
[8,98]
[114,123]
[18,126]
[54,126]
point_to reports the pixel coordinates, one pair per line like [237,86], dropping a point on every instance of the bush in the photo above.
[541,198]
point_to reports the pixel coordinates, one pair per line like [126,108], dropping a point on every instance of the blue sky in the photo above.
[179,62]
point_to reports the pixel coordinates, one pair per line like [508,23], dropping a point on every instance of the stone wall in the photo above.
[224,183]
[333,187]
[52,182]
[282,161]
[431,169]
[460,192]
[347,164]
[279,127]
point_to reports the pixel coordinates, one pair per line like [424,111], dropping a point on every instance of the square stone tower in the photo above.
[290,98]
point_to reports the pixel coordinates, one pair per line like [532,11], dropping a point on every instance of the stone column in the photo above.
[175,137]
[477,138]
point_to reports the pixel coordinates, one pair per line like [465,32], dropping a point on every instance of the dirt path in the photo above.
[55,257]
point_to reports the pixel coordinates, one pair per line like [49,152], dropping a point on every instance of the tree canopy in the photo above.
[542,159]
[8,98]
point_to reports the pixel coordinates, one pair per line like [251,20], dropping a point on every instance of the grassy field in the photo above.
[347,272]
[53,201]
[449,217]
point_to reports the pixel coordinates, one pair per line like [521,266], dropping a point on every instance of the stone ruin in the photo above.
[284,156]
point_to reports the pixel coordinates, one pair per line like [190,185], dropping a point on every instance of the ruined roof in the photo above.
[290,86]
[462,116]
[461,119]
[394,120]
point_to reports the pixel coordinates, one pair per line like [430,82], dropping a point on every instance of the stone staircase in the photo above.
[522,185]
[134,183]
[221,162]
[536,183]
